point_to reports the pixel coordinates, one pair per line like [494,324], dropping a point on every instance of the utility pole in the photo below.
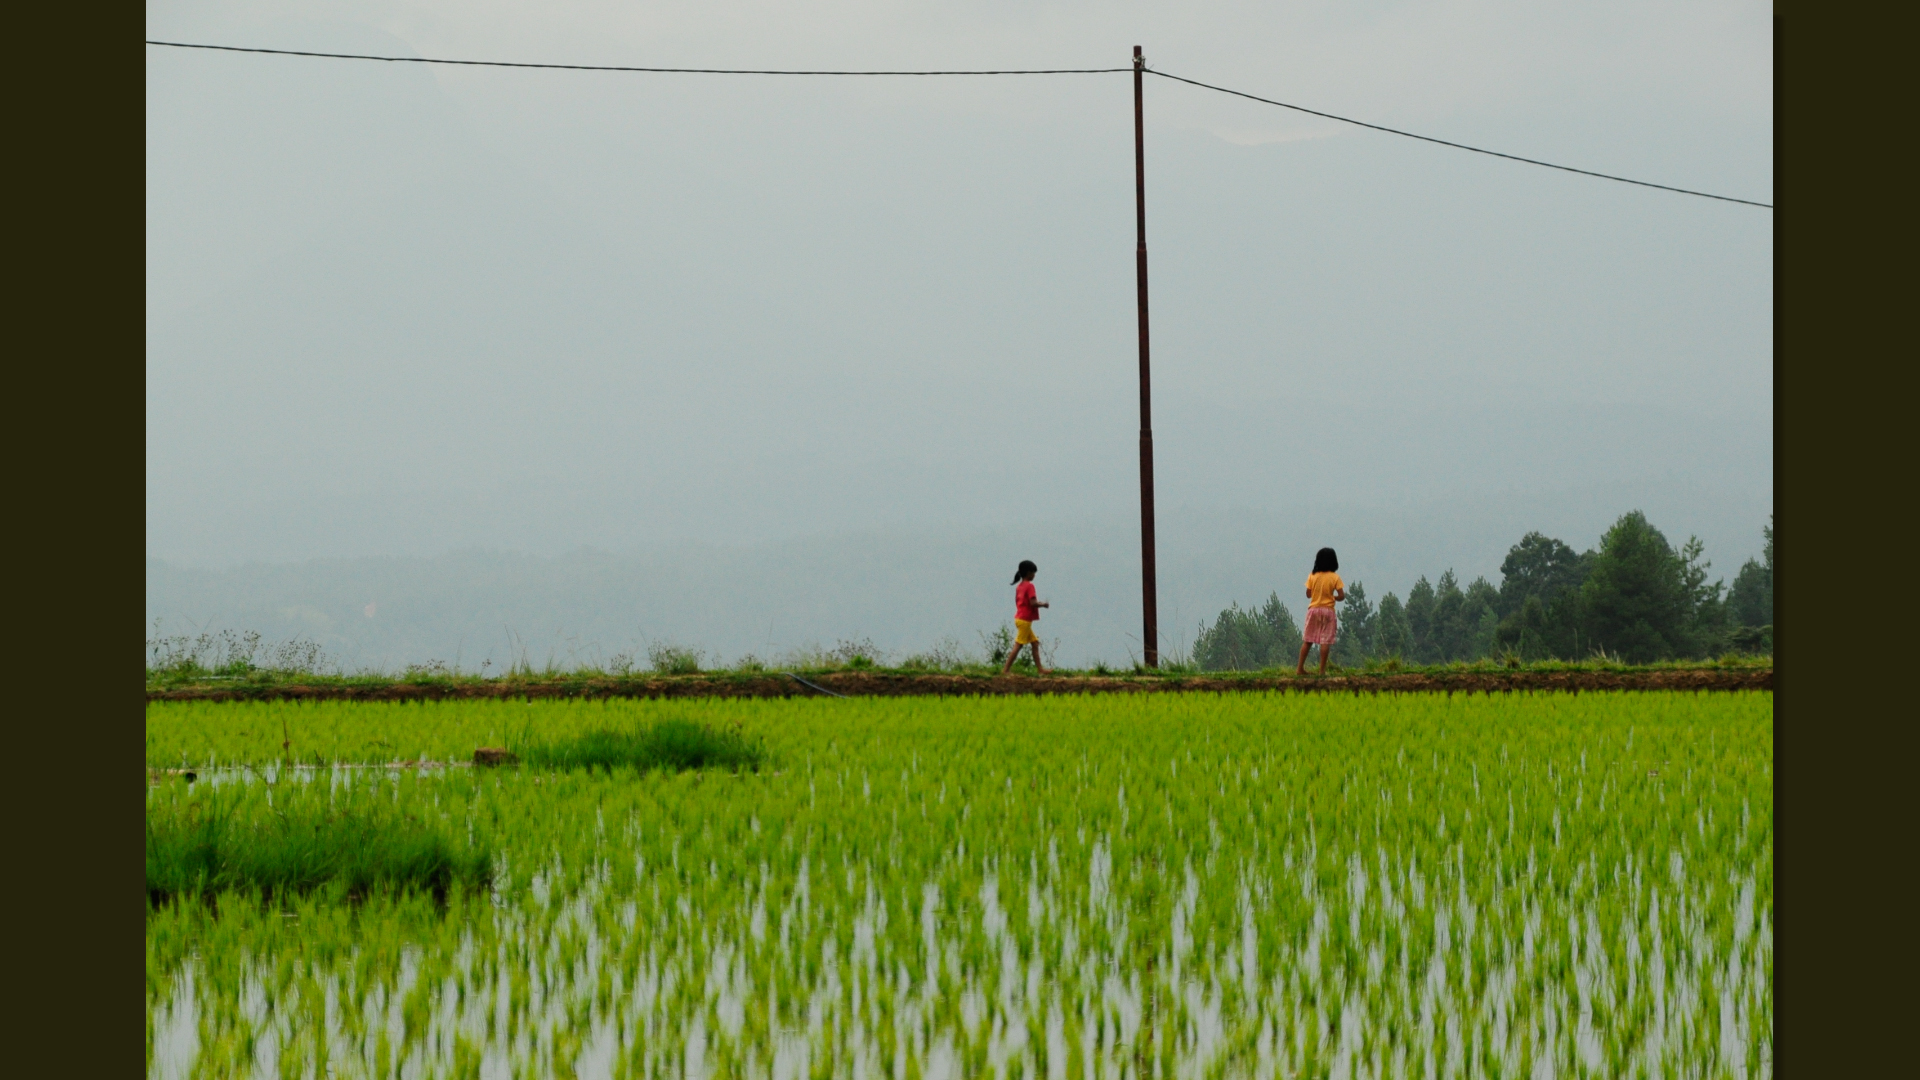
[1149,606]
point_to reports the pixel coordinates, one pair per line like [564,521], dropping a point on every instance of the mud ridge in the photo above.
[887,684]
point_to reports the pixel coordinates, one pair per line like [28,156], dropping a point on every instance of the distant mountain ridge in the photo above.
[904,589]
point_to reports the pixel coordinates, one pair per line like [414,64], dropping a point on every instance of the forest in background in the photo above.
[1635,598]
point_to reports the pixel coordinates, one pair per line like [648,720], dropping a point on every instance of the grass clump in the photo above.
[673,744]
[945,655]
[203,845]
[230,655]
[668,658]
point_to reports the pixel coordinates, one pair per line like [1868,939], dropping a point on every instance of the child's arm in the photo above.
[1339,594]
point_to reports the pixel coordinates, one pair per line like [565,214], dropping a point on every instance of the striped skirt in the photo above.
[1321,624]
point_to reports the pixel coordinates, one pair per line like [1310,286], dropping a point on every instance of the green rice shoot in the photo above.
[669,743]
[1237,885]
[204,841]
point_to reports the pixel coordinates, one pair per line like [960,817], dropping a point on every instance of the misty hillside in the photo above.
[905,589]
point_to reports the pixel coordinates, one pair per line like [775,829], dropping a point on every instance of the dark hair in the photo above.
[1326,560]
[1027,570]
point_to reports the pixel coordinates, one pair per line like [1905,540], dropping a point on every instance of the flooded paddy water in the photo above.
[1210,885]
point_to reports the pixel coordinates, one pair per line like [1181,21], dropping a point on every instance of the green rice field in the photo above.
[1190,885]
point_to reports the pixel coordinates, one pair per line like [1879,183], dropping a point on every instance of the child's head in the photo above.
[1326,562]
[1025,573]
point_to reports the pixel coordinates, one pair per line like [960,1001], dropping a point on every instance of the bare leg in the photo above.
[1324,650]
[1012,655]
[1301,667]
[1036,659]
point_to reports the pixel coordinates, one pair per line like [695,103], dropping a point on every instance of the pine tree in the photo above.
[1283,634]
[1420,622]
[1392,633]
[1539,566]
[1354,643]
[1539,600]
[1477,620]
[1639,600]
[1750,601]
[1242,640]
[1525,631]
[1235,642]
[1707,632]
[1449,632]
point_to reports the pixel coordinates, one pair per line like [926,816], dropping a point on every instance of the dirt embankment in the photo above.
[889,684]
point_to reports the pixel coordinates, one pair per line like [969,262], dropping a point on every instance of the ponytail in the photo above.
[1027,570]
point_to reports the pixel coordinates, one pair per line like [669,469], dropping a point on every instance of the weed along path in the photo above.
[917,684]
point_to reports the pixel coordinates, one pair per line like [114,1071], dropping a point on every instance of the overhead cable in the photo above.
[1461,146]
[617,67]
[998,71]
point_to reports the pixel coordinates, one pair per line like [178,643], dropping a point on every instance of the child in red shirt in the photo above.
[1026,610]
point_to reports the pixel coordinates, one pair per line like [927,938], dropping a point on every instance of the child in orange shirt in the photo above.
[1026,611]
[1324,589]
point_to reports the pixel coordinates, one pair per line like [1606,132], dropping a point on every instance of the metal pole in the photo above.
[1148,605]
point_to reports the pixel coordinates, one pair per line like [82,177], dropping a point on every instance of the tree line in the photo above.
[1634,598]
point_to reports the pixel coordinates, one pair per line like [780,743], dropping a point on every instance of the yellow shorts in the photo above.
[1025,635]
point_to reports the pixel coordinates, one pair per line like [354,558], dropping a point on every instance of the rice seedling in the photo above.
[1219,885]
[668,743]
[288,839]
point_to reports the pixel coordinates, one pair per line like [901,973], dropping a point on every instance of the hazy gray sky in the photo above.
[402,310]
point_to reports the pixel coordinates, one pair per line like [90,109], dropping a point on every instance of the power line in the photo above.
[1004,71]
[615,67]
[1462,146]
